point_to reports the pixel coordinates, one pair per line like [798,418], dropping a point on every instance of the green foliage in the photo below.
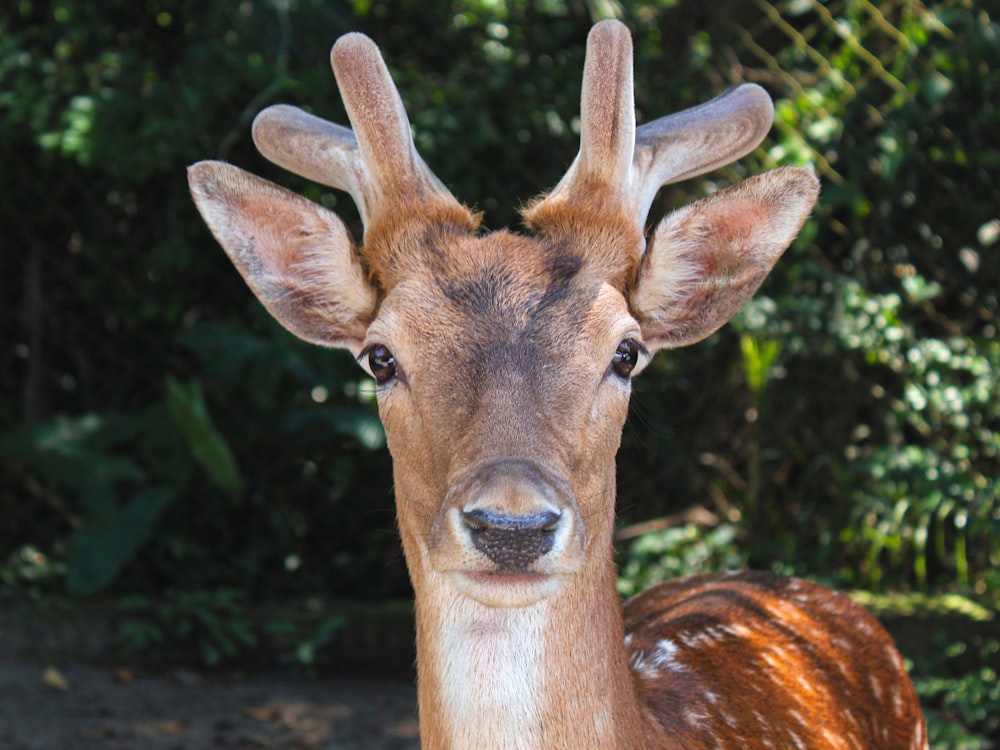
[658,556]
[208,448]
[111,497]
[967,709]
[219,626]
[758,359]
[938,493]
[957,682]
[307,643]
[901,310]
[215,624]
[100,548]
[30,571]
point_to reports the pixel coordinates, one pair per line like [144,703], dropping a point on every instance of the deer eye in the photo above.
[625,359]
[381,363]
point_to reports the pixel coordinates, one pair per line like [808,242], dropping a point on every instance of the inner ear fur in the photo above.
[706,259]
[297,257]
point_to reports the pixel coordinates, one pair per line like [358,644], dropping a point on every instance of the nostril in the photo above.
[480,519]
[512,542]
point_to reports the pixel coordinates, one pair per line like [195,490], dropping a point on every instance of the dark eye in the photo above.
[626,355]
[381,363]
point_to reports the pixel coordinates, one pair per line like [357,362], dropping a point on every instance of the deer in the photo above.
[502,364]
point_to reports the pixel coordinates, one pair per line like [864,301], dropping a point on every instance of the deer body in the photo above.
[503,366]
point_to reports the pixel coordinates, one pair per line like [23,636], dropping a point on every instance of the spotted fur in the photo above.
[748,659]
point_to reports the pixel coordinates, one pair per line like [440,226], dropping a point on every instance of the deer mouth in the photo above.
[507,579]
[506,590]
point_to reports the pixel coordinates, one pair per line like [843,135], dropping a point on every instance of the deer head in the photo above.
[503,361]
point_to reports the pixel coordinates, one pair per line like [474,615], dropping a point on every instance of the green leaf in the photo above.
[758,356]
[101,547]
[68,452]
[207,445]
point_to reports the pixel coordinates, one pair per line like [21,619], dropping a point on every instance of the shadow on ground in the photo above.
[62,688]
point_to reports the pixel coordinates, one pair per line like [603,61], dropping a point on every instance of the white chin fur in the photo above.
[506,591]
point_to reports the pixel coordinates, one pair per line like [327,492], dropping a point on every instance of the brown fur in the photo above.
[773,657]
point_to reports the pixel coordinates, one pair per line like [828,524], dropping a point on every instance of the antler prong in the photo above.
[313,148]
[376,162]
[698,140]
[628,165]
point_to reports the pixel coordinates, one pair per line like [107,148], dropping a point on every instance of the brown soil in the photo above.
[80,706]
[62,688]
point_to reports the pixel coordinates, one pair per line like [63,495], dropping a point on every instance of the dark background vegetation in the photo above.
[169,452]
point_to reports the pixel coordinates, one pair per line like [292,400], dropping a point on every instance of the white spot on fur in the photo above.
[876,682]
[898,704]
[695,717]
[832,739]
[653,664]
[665,652]
[797,715]
[740,630]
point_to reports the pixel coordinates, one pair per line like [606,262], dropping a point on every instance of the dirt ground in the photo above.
[62,688]
[84,707]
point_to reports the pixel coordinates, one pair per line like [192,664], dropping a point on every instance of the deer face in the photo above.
[503,366]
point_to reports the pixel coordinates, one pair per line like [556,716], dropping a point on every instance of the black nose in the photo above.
[512,542]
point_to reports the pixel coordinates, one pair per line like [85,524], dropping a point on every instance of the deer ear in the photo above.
[297,257]
[706,259]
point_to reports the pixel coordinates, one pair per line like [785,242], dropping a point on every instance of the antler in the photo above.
[377,163]
[633,163]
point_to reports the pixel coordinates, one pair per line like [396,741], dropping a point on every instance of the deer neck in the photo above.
[548,676]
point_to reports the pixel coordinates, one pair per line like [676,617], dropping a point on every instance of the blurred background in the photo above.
[221,492]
